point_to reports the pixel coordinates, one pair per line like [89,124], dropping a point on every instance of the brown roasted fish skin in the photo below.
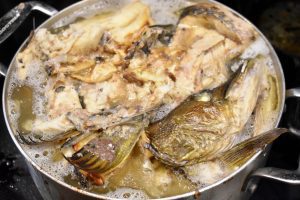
[198,131]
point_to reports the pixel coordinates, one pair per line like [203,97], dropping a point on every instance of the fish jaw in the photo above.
[243,92]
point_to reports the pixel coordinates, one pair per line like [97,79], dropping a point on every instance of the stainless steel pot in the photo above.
[238,185]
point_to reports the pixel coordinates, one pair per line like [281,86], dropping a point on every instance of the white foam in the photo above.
[36,79]
[258,47]
[162,11]
[88,11]
[206,173]
[57,169]
[13,107]
[127,193]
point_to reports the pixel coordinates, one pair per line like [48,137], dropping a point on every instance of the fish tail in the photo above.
[243,151]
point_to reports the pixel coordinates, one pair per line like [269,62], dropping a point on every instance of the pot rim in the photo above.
[87,3]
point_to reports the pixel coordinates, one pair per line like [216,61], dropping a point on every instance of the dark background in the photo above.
[15,181]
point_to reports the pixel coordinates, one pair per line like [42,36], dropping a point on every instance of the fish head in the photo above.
[187,135]
[101,152]
[199,130]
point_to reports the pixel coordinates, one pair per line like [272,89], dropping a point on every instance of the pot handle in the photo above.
[282,175]
[14,18]
[293,93]
[3,69]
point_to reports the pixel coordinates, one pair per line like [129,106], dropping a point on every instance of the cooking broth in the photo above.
[22,98]
[137,179]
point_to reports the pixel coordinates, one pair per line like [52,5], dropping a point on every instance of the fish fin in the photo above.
[243,151]
[221,92]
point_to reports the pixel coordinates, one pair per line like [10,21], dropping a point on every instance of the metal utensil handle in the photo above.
[272,173]
[293,93]
[282,175]
[3,69]
[16,16]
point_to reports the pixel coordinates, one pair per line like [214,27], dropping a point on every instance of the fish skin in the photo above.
[197,131]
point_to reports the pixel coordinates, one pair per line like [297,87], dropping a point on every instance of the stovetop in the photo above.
[15,180]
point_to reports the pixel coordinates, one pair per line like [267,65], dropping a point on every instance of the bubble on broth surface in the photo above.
[127,193]
[164,12]
[57,169]
[86,12]
[206,173]
[36,80]
[258,47]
